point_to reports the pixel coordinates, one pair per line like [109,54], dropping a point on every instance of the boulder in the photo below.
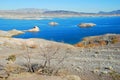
[85,25]
[73,77]
[3,74]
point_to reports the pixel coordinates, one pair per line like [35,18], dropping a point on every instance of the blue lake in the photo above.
[67,31]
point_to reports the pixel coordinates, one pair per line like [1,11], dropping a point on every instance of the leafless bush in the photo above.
[28,60]
[52,59]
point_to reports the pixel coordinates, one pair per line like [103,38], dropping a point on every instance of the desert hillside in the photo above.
[38,57]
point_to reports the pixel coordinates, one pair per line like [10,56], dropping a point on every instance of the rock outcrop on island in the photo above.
[10,33]
[34,29]
[86,25]
[53,23]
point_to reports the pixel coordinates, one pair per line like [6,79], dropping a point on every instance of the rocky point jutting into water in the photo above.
[10,33]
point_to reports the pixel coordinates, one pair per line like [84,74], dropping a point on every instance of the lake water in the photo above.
[67,31]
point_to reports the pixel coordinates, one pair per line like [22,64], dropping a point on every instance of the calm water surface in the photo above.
[67,31]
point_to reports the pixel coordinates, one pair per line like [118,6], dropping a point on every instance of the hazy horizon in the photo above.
[71,5]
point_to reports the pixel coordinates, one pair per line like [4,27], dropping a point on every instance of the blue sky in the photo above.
[73,5]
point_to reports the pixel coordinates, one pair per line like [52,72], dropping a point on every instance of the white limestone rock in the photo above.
[34,29]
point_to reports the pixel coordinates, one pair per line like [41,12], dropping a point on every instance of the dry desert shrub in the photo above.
[115,75]
[80,45]
[11,58]
[50,57]
[11,67]
[115,40]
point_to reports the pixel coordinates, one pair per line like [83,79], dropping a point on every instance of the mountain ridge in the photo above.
[58,11]
[33,13]
[111,12]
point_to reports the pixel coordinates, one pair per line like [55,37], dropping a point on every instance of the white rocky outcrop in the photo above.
[85,25]
[34,29]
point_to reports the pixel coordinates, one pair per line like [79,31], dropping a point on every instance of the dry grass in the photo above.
[115,75]
[11,58]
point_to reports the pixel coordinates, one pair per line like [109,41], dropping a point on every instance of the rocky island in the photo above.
[53,23]
[86,25]
[34,29]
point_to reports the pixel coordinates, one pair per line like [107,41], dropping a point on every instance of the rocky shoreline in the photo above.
[22,17]
[101,40]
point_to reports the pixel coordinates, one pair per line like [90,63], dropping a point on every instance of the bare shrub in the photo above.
[115,40]
[28,59]
[51,57]
[115,75]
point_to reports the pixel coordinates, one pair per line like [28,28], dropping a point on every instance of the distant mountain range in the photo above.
[34,10]
[40,13]
[112,12]
[72,12]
